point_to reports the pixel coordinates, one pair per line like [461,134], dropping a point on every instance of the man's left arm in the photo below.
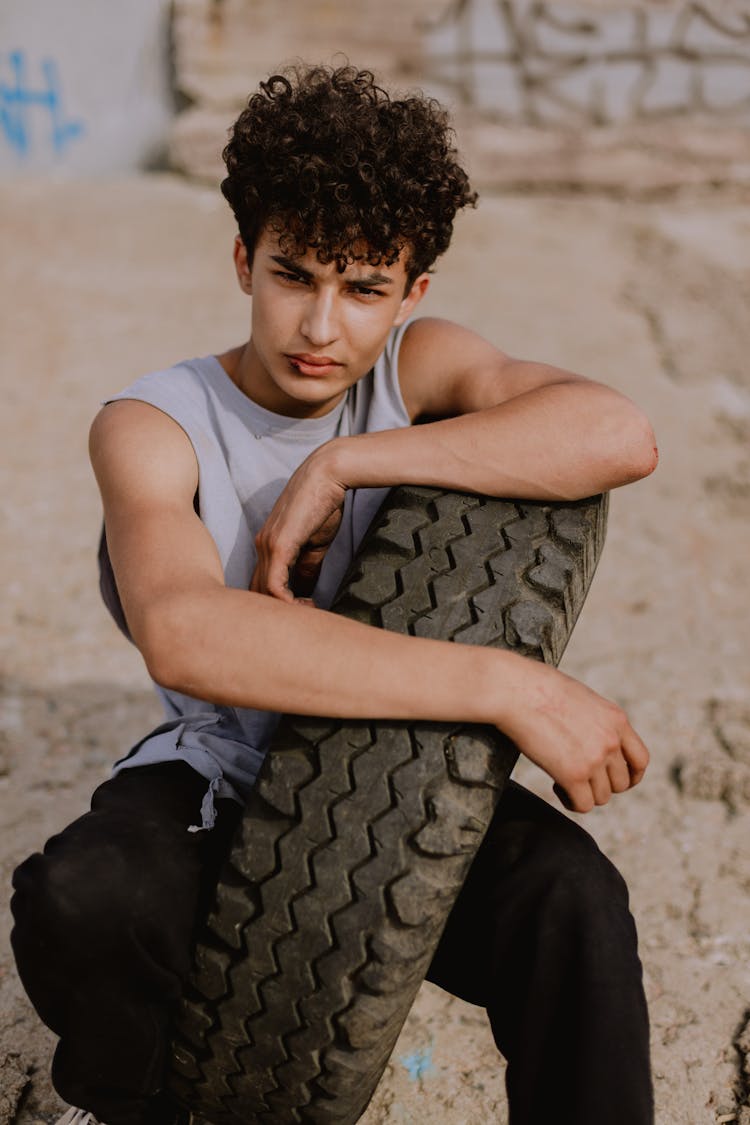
[505,427]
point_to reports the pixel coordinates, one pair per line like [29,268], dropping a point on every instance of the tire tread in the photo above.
[358,836]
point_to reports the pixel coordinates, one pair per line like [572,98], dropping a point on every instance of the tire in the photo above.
[359,835]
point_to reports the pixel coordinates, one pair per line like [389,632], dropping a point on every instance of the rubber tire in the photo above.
[359,835]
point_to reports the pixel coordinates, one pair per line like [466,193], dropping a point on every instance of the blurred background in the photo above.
[644,95]
[611,147]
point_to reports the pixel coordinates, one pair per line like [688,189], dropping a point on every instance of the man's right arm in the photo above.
[246,649]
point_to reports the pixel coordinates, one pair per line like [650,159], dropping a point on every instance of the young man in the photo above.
[236,488]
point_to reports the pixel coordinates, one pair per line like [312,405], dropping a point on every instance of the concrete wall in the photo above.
[555,63]
[84,85]
[636,95]
[646,95]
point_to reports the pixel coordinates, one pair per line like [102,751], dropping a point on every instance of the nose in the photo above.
[320,321]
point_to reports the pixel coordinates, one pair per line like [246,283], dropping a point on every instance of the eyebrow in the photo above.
[364,282]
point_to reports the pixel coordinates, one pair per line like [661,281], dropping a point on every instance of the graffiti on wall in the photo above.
[32,113]
[542,63]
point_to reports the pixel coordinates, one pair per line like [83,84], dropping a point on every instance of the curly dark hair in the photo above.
[329,161]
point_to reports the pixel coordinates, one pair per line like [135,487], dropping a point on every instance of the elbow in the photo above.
[162,668]
[162,641]
[643,450]
[651,460]
[635,450]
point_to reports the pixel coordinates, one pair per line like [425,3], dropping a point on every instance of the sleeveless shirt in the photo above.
[245,456]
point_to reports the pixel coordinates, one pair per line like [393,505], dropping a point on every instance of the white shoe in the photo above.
[79,1117]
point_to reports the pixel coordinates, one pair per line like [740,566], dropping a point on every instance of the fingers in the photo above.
[288,581]
[618,774]
[613,777]
[583,796]
[271,576]
[576,797]
[293,541]
[601,788]
[277,579]
[562,796]
[623,767]
[290,567]
[636,754]
[305,571]
[582,740]
[582,802]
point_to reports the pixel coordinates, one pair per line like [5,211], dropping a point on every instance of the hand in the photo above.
[302,524]
[583,741]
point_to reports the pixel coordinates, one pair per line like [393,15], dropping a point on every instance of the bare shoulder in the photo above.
[137,449]
[432,339]
[445,368]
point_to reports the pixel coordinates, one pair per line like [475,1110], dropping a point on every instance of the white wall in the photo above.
[84,85]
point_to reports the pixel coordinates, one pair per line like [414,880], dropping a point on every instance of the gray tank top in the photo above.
[245,456]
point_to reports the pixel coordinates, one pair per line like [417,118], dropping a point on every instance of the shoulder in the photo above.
[445,368]
[170,388]
[430,337]
[136,448]
[152,424]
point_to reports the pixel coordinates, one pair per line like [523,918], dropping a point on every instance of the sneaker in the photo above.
[79,1117]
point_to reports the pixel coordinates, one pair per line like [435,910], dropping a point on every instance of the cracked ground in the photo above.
[100,286]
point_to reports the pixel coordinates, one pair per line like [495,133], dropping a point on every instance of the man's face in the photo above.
[316,331]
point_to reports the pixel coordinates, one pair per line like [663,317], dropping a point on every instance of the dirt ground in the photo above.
[103,281]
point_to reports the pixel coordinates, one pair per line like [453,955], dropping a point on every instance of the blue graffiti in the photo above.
[18,100]
[418,1063]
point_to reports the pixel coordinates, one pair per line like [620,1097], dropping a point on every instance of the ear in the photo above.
[242,265]
[417,291]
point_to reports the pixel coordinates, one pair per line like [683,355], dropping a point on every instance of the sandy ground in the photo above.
[101,282]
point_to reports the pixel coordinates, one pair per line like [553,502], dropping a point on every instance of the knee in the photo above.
[577,860]
[62,898]
[582,888]
[41,911]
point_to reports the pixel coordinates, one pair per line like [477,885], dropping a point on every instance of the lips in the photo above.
[308,364]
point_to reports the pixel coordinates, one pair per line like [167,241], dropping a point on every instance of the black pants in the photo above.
[540,936]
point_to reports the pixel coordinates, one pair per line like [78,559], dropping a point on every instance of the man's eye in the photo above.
[289,277]
[364,291]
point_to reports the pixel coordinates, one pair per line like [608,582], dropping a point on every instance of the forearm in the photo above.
[562,441]
[249,650]
[244,649]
